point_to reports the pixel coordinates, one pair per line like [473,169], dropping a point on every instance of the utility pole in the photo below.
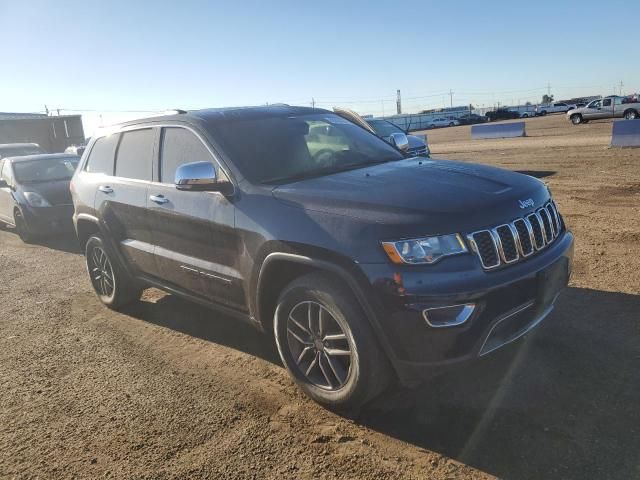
[451,97]
[621,85]
[398,103]
[313,102]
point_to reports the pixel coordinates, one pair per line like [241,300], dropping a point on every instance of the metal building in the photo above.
[53,134]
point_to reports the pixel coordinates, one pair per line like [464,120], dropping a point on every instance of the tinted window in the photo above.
[180,146]
[606,102]
[286,148]
[101,156]
[135,154]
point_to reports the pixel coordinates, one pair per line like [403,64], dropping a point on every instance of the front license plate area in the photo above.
[551,281]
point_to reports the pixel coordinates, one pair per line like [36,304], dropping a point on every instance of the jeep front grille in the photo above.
[513,242]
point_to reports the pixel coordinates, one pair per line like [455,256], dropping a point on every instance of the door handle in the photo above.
[105,189]
[160,199]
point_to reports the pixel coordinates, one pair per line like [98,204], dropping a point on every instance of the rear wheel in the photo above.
[543,113]
[630,115]
[113,285]
[451,124]
[326,343]
[22,227]
[576,119]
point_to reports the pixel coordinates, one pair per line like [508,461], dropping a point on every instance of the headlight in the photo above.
[35,199]
[424,250]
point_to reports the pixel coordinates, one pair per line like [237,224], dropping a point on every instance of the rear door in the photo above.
[196,243]
[122,198]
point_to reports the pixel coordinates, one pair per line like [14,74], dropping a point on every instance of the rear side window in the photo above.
[101,157]
[135,154]
[180,146]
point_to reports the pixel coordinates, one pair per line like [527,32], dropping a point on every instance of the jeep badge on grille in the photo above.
[526,203]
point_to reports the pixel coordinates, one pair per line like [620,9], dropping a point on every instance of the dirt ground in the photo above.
[171,390]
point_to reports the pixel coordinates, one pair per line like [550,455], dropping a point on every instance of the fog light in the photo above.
[449,316]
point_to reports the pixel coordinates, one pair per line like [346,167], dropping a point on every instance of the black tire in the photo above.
[22,227]
[346,388]
[576,119]
[112,284]
[630,115]
[451,124]
[543,113]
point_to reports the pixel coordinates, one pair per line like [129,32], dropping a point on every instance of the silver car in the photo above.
[609,107]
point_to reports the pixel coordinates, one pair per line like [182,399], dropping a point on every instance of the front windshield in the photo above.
[288,148]
[45,170]
[384,128]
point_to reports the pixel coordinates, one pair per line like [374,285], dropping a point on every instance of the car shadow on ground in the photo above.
[172,312]
[537,173]
[64,242]
[561,403]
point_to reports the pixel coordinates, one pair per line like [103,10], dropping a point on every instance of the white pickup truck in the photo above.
[556,107]
[609,107]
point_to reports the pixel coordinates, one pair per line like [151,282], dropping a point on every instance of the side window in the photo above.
[134,158]
[101,157]
[606,102]
[180,146]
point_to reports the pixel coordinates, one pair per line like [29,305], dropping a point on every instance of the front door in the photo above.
[593,110]
[196,246]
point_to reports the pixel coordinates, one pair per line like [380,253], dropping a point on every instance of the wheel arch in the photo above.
[86,226]
[271,280]
[627,110]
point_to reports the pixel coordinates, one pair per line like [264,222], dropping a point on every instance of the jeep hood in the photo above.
[418,191]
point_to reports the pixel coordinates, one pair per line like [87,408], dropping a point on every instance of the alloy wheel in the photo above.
[101,272]
[318,345]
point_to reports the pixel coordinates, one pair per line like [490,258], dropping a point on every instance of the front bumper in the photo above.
[509,303]
[49,220]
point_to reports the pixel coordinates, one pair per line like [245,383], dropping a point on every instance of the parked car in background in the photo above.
[418,146]
[502,114]
[18,149]
[34,193]
[471,119]
[608,107]
[557,107]
[75,150]
[527,114]
[366,266]
[443,122]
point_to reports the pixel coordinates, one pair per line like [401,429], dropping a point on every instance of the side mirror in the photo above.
[400,141]
[200,177]
[3,184]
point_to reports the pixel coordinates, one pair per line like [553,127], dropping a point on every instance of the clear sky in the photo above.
[153,55]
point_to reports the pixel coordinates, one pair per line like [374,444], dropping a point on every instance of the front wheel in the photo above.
[630,115]
[576,119]
[113,285]
[22,227]
[326,343]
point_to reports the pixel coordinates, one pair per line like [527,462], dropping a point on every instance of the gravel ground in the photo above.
[168,389]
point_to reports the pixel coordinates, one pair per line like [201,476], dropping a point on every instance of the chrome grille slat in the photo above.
[512,242]
[546,224]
